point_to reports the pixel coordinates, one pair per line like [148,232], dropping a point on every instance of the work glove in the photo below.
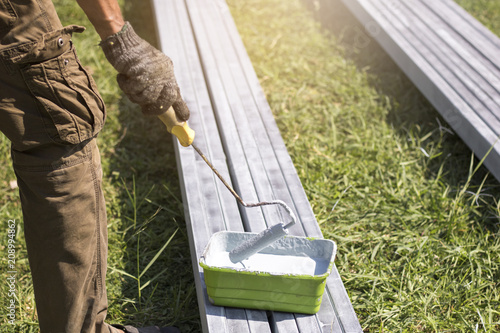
[145,74]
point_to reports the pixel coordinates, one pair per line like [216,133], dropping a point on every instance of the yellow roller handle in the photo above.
[181,130]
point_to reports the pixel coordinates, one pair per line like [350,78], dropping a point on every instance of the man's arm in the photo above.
[105,16]
[145,74]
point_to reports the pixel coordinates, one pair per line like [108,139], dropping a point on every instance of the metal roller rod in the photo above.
[263,239]
[240,200]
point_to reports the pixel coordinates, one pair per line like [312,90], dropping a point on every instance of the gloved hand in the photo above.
[145,74]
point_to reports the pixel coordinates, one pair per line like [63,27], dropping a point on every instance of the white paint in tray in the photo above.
[271,263]
[288,256]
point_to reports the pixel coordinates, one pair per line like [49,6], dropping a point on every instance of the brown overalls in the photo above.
[51,112]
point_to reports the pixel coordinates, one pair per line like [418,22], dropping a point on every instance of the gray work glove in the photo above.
[145,74]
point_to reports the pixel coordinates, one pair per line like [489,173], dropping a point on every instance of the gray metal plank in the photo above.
[325,318]
[458,73]
[204,122]
[338,294]
[241,128]
[260,155]
[301,203]
[212,317]
[234,133]
[454,110]
[285,322]
[254,159]
[328,323]
[483,110]
[282,322]
[205,213]
[243,320]
[475,23]
[237,320]
[469,27]
[469,57]
[258,319]
[234,77]
[239,170]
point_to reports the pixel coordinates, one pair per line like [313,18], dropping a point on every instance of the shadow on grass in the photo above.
[152,214]
[410,109]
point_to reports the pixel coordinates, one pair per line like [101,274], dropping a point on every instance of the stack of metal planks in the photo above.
[235,128]
[451,58]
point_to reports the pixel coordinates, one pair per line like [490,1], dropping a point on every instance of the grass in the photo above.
[415,216]
[415,219]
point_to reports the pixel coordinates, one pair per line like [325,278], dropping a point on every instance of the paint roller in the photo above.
[185,135]
[263,239]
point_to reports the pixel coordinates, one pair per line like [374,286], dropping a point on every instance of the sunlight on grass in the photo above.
[415,219]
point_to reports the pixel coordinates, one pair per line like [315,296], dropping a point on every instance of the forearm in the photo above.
[105,16]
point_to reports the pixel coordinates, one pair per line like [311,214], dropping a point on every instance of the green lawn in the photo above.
[417,231]
[417,226]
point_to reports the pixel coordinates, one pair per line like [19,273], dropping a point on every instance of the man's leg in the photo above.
[66,235]
[56,160]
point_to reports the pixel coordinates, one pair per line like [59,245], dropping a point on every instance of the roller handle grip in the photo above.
[181,130]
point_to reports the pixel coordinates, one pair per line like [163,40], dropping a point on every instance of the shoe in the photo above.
[149,329]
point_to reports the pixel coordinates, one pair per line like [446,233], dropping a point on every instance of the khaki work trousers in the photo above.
[51,112]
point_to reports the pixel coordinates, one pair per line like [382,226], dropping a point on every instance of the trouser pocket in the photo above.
[66,96]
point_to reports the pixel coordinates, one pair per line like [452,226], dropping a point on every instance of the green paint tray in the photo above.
[289,275]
